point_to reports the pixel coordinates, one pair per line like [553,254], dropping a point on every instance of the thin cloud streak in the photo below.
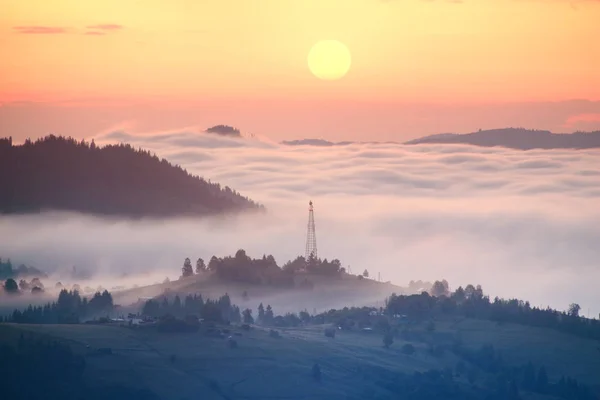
[40,30]
[105,27]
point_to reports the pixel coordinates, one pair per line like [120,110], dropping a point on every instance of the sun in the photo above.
[329,59]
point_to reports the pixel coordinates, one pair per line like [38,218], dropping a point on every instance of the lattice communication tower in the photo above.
[311,238]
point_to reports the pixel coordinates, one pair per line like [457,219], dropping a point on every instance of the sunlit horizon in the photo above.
[417,67]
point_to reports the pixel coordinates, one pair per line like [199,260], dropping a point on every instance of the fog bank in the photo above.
[521,224]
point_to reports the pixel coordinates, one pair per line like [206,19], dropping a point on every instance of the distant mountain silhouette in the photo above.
[515,138]
[224,130]
[57,173]
[518,138]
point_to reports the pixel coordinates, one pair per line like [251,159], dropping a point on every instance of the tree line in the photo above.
[219,310]
[471,302]
[7,270]
[70,308]
[510,380]
[242,268]
[507,382]
[61,173]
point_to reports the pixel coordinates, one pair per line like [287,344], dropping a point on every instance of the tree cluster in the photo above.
[219,310]
[315,266]
[63,174]
[471,302]
[263,271]
[8,271]
[241,268]
[70,308]
[225,130]
[34,286]
[510,381]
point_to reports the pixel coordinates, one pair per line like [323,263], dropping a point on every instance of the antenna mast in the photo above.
[311,238]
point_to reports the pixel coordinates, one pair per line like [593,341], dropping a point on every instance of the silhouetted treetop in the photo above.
[58,173]
[224,130]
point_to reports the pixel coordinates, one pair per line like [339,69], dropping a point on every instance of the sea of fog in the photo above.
[522,224]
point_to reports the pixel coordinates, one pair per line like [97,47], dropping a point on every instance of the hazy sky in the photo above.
[418,67]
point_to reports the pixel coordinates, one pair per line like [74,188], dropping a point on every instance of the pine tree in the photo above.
[236,316]
[248,316]
[261,313]
[269,315]
[187,269]
[200,266]
[164,306]
[177,305]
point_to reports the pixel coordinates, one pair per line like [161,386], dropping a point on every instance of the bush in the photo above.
[330,332]
[408,349]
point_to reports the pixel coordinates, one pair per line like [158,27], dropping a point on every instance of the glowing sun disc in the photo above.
[329,59]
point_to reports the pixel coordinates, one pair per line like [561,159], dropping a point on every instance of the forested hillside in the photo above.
[58,173]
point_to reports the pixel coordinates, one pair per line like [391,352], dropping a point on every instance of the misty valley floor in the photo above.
[262,367]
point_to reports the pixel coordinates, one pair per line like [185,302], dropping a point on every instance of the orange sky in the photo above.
[221,51]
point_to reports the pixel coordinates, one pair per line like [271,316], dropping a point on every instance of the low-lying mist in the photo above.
[521,224]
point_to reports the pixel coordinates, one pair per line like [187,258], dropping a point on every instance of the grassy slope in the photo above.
[328,292]
[260,368]
[268,368]
[559,352]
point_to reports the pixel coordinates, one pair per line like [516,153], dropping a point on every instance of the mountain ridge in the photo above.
[61,174]
[513,138]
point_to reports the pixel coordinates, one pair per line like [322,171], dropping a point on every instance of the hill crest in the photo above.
[513,138]
[62,174]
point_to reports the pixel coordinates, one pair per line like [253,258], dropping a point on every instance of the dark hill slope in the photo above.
[516,138]
[57,173]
